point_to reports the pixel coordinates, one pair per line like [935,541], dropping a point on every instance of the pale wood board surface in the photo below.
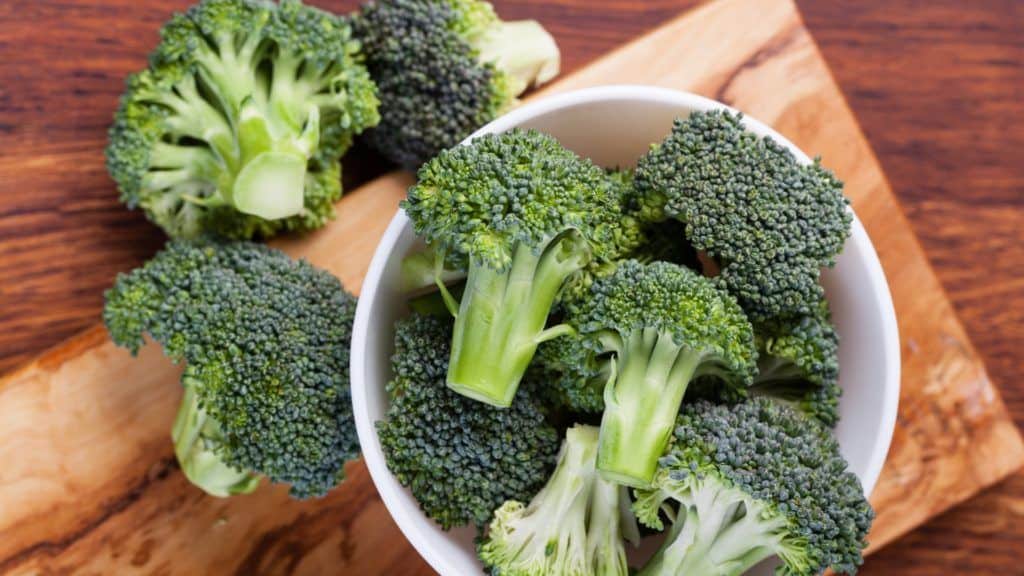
[89,480]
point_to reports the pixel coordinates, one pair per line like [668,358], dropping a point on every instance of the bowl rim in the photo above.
[365,426]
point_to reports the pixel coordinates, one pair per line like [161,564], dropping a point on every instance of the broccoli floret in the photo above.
[460,458]
[524,215]
[745,482]
[663,325]
[769,222]
[237,125]
[574,526]
[798,363]
[265,340]
[444,68]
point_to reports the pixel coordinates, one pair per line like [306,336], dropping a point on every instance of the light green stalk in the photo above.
[502,315]
[196,437]
[642,401]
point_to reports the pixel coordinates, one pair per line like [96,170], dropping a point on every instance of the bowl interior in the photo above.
[614,126]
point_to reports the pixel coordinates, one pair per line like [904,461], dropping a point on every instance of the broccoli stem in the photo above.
[719,531]
[195,437]
[502,315]
[555,521]
[271,182]
[419,272]
[605,522]
[774,370]
[641,404]
[523,50]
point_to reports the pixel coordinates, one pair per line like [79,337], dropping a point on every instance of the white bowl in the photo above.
[615,125]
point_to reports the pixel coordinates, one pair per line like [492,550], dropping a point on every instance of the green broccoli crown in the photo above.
[443,69]
[799,363]
[572,527]
[674,301]
[266,342]
[480,201]
[751,480]
[460,458]
[237,124]
[771,222]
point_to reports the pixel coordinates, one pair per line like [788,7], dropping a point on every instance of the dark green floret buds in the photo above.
[660,325]
[445,68]
[524,215]
[746,482]
[237,125]
[770,222]
[265,341]
[460,458]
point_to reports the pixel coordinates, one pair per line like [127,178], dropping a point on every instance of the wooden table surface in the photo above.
[938,88]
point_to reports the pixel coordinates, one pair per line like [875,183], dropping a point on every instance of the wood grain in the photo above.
[73,176]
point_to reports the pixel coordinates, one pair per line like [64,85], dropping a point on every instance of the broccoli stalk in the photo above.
[663,325]
[749,481]
[574,525]
[502,315]
[642,400]
[523,51]
[421,272]
[524,215]
[197,439]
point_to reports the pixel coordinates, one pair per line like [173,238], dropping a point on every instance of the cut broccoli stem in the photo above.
[272,179]
[776,373]
[724,532]
[610,520]
[502,315]
[641,404]
[523,50]
[420,272]
[196,437]
[545,532]
[271,185]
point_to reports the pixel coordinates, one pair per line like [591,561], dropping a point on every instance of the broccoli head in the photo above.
[460,458]
[574,526]
[749,481]
[523,215]
[661,325]
[768,221]
[265,340]
[237,125]
[444,68]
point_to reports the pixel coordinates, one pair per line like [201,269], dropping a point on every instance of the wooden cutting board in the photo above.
[88,481]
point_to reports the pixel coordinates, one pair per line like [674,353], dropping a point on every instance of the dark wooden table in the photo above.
[938,87]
